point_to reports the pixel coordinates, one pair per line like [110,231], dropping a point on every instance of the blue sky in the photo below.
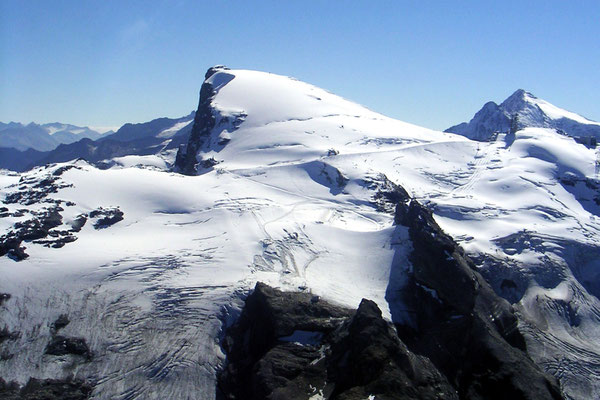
[432,63]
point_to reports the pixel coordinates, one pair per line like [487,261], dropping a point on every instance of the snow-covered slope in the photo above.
[287,192]
[522,109]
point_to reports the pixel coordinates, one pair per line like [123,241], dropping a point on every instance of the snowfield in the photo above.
[291,203]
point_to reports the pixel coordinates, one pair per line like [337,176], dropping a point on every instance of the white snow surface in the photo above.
[170,132]
[152,293]
[555,112]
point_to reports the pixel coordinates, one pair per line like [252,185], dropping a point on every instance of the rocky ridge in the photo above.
[463,341]
[205,121]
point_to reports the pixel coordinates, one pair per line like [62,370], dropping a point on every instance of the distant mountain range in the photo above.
[44,137]
[25,146]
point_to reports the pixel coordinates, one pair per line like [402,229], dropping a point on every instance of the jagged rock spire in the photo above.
[186,159]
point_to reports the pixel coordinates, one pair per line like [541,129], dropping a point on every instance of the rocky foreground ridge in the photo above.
[464,343]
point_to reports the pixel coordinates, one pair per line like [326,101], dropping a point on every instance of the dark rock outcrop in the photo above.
[463,343]
[106,217]
[61,345]
[40,228]
[204,121]
[78,223]
[61,322]
[34,229]
[293,345]
[5,334]
[387,194]
[4,297]
[253,347]
[467,331]
[367,358]
[33,191]
[46,389]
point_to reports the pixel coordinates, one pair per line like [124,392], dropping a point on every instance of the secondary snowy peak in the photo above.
[523,110]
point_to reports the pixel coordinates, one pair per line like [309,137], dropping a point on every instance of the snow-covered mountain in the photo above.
[125,280]
[43,137]
[522,109]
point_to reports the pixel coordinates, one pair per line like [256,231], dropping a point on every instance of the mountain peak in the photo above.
[521,93]
[520,99]
[531,111]
[212,70]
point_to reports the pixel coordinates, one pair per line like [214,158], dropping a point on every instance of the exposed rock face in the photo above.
[4,297]
[5,334]
[35,229]
[464,341]
[367,358]
[252,343]
[41,228]
[293,346]
[61,322]
[32,192]
[106,217]
[61,345]
[45,225]
[204,122]
[467,331]
[46,389]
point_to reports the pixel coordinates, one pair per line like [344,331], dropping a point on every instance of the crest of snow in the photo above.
[104,129]
[155,161]
[554,112]
[58,127]
[53,129]
[169,132]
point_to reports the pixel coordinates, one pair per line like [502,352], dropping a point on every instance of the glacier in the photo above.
[284,190]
